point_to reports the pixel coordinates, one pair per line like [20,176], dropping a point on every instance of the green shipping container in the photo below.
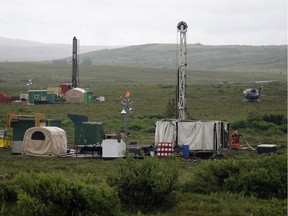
[19,128]
[91,133]
[35,96]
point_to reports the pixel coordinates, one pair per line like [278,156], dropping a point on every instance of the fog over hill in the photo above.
[23,50]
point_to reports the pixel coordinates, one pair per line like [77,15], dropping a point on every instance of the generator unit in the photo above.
[234,140]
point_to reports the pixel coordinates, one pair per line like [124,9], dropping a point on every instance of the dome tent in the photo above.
[44,141]
[75,95]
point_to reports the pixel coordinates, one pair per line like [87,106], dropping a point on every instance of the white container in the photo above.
[111,148]
[17,147]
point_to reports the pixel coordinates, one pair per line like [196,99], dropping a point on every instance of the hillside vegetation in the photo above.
[200,57]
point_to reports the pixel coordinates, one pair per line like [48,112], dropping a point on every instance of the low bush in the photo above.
[210,176]
[263,178]
[278,119]
[53,194]
[262,123]
[145,185]
[269,128]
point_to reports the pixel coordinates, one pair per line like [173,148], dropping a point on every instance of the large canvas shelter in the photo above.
[44,141]
[79,95]
[199,135]
[75,95]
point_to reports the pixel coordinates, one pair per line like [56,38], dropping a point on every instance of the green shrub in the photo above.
[264,178]
[29,205]
[239,124]
[147,184]
[275,131]
[278,119]
[269,128]
[150,129]
[53,194]
[273,208]
[135,127]
[262,124]
[254,116]
[210,176]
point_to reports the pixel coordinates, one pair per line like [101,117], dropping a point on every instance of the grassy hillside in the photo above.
[200,57]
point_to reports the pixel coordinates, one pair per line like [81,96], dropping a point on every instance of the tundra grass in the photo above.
[204,102]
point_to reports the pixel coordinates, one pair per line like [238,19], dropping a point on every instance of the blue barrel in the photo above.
[185,150]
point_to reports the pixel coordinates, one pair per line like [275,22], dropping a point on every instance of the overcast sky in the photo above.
[134,22]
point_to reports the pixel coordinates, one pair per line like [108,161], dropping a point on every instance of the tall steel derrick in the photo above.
[181,70]
[75,71]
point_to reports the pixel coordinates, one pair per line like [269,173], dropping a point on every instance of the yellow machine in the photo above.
[4,140]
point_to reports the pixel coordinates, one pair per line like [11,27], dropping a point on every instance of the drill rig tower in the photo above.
[75,71]
[181,71]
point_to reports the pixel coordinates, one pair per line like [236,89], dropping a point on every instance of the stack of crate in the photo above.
[165,149]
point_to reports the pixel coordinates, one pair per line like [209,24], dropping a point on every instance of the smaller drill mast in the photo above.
[75,71]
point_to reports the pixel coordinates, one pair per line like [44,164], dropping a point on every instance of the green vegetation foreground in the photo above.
[81,186]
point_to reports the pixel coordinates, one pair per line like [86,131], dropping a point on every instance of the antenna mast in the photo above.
[74,64]
[181,71]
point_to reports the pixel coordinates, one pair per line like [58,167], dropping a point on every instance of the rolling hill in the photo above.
[200,57]
[232,58]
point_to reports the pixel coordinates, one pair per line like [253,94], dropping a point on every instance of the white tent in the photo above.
[44,141]
[199,135]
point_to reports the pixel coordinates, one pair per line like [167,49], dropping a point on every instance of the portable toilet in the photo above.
[88,97]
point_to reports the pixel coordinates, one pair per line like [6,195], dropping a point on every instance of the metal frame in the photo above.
[181,71]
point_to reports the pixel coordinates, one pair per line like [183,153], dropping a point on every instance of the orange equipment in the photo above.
[234,140]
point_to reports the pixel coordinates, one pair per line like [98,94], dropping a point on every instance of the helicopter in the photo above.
[252,94]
